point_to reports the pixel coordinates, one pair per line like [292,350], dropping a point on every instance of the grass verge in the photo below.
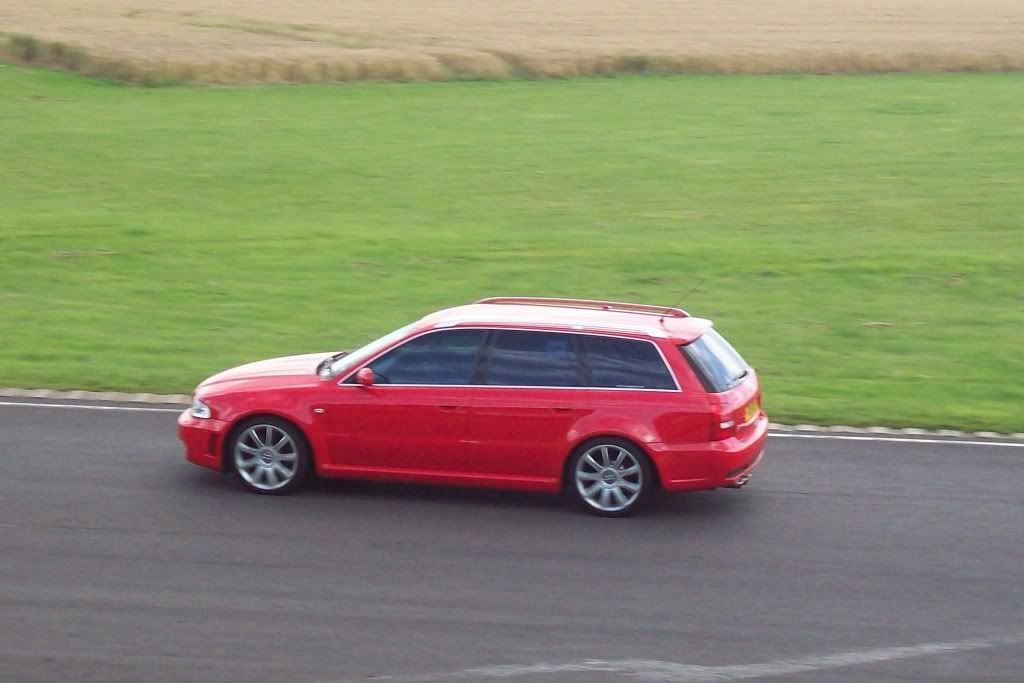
[858,238]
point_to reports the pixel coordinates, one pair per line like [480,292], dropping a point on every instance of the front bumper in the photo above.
[717,464]
[203,440]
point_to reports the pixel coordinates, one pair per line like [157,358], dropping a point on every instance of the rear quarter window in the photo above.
[617,363]
[718,365]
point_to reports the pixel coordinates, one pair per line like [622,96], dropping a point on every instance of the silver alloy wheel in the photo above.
[609,477]
[266,457]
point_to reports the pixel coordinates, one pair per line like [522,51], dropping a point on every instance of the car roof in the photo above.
[574,315]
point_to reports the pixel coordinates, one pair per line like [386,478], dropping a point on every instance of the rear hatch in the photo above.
[733,390]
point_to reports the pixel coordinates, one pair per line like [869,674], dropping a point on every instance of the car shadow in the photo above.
[435,494]
[693,505]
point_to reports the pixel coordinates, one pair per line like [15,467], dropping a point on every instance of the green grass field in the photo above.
[860,239]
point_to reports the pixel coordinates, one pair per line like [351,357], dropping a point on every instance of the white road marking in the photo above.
[777,435]
[895,439]
[653,670]
[78,406]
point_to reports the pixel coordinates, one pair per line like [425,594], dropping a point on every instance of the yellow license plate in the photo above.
[751,411]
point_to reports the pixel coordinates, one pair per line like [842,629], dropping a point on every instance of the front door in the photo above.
[411,422]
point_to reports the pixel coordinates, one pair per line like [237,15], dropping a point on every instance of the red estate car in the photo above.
[609,401]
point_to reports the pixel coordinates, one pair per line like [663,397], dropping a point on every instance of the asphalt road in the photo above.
[842,561]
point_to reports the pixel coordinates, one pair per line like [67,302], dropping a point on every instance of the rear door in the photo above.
[530,394]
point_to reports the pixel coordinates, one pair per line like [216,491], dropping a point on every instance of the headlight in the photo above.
[200,409]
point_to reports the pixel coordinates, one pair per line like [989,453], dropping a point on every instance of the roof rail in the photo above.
[662,311]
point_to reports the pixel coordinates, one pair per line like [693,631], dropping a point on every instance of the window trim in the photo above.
[485,345]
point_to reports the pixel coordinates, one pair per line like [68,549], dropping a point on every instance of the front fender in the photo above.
[284,405]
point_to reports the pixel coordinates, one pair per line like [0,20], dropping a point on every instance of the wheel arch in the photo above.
[591,439]
[239,421]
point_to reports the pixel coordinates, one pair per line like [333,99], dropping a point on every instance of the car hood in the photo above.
[288,370]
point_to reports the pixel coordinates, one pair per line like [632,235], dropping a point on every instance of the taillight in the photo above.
[728,424]
[722,427]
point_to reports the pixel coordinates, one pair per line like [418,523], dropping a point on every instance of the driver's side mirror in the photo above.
[365,377]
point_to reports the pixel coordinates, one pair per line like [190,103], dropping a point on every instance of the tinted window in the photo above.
[715,361]
[447,357]
[625,363]
[532,359]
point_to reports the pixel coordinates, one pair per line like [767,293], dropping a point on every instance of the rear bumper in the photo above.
[698,466]
[202,439]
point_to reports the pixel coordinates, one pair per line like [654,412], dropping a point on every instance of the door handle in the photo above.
[561,409]
[448,409]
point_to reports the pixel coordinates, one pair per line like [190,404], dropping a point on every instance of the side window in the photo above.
[625,363]
[532,359]
[447,357]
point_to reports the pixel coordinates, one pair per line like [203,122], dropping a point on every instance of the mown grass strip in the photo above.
[859,238]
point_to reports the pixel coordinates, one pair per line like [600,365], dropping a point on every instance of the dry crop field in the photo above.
[334,40]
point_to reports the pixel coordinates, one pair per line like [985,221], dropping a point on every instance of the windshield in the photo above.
[365,353]
[715,361]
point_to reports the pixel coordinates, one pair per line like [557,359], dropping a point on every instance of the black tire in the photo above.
[614,465]
[270,456]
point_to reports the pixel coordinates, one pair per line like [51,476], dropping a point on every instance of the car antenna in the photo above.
[680,300]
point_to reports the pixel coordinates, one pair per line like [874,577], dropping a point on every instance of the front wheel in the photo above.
[611,477]
[269,455]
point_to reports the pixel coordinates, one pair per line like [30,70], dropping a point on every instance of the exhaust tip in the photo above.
[739,483]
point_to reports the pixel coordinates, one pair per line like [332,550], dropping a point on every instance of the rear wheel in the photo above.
[611,477]
[269,455]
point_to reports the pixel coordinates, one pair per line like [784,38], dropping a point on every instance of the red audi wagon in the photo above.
[607,401]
